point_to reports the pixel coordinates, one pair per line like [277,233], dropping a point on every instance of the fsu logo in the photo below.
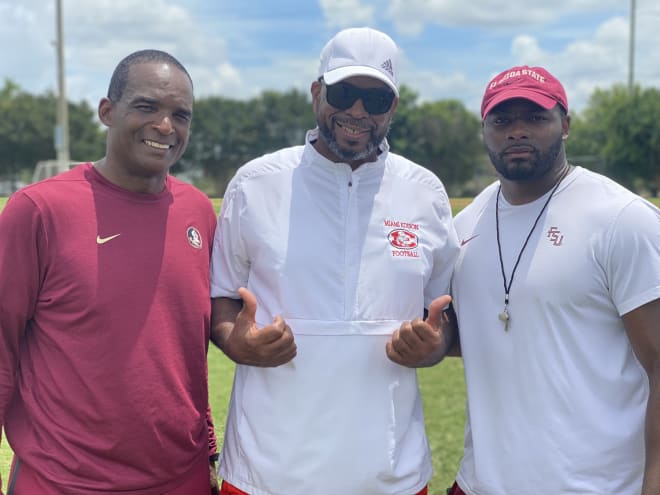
[402,239]
[555,236]
[194,238]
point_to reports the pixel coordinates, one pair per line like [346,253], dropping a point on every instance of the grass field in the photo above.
[443,393]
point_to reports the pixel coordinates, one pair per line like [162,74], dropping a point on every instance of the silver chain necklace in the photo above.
[505,316]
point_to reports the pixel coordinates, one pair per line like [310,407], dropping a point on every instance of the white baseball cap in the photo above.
[360,52]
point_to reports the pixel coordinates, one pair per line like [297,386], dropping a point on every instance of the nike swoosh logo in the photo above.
[103,240]
[465,241]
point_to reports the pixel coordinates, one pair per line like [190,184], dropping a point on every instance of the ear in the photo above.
[105,112]
[565,127]
[395,104]
[315,90]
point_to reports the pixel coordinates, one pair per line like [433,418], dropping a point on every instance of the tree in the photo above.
[227,133]
[86,136]
[221,138]
[285,118]
[27,127]
[443,136]
[620,132]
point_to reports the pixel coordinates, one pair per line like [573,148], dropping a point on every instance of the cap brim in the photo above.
[336,75]
[527,94]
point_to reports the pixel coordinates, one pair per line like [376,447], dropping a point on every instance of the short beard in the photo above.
[539,165]
[346,154]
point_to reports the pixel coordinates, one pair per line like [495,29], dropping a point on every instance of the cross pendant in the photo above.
[504,317]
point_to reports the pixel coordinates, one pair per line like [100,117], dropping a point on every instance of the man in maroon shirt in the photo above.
[105,307]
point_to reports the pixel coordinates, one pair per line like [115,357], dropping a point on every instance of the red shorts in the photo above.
[25,481]
[455,490]
[229,489]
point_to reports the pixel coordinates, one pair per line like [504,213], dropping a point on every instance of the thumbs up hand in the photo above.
[246,343]
[420,343]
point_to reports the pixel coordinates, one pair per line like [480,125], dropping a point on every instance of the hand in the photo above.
[269,346]
[420,342]
[215,485]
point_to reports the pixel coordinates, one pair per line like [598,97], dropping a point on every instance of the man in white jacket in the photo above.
[325,257]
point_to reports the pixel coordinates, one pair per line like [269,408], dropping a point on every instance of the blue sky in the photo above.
[238,48]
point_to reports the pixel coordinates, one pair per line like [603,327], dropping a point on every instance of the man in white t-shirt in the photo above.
[556,293]
[325,257]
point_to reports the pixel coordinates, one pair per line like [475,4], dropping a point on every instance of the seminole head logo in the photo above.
[194,237]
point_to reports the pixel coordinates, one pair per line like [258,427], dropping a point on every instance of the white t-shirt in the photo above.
[345,257]
[556,404]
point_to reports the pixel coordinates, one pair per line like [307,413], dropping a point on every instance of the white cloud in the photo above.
[411,16]
[560,36]
[451,47]
[347,13]
[219,79]
[583,65]
[285,73]
[92,49]
[27,39]
[527,49]
[97,35]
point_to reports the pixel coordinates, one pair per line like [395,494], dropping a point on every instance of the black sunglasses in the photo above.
[343,96]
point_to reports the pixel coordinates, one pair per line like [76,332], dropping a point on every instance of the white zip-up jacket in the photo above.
[344,256]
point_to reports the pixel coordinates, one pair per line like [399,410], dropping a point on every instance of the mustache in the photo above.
[357,123]
[519,148]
